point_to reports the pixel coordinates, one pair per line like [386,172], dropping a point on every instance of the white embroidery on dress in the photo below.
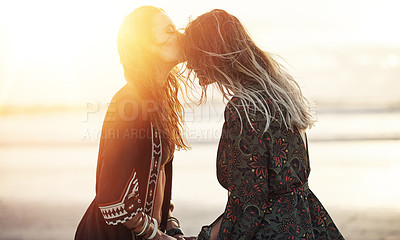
[135,189]
[117,210]
[156,156]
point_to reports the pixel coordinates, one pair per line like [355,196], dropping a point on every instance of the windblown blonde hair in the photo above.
[218,48]
[140,63]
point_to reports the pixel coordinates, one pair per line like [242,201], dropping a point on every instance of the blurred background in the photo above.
[59,68]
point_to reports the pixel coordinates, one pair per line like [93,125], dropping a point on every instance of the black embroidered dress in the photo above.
[266,175]
[130,160]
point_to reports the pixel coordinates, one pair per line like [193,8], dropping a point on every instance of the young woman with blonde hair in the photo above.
[141,130]
[262,157]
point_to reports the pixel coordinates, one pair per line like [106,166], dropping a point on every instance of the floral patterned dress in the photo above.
[266,175]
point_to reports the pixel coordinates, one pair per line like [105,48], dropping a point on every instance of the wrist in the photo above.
[154,230]
[174,220]
[147,229]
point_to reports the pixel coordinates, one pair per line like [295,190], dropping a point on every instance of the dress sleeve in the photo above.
[245,160]
[120,183]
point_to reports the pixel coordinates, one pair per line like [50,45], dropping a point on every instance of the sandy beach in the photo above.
[47,169]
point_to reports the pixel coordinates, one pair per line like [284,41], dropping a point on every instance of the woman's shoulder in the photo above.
[239,105]
[125,93]
[250,116]
[233,108]
[126,108]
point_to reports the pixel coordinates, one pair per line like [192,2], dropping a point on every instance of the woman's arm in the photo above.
[215,229]
[173,227]
[243,162]
[144,225]
[210,232]
[120,186]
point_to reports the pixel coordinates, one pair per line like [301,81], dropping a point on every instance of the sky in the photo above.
[63,53]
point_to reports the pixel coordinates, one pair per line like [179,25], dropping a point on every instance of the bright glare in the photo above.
[64,52]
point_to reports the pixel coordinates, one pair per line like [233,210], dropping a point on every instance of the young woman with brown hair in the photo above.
[141,130]
[263,153]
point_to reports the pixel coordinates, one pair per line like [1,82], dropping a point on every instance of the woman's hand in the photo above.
[188,238]
[162,236]
[180,237]
[173,223]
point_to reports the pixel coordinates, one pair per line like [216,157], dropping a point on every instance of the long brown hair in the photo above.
[218,48]
[135,42]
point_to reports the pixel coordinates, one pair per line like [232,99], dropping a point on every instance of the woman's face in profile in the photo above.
[167,39]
